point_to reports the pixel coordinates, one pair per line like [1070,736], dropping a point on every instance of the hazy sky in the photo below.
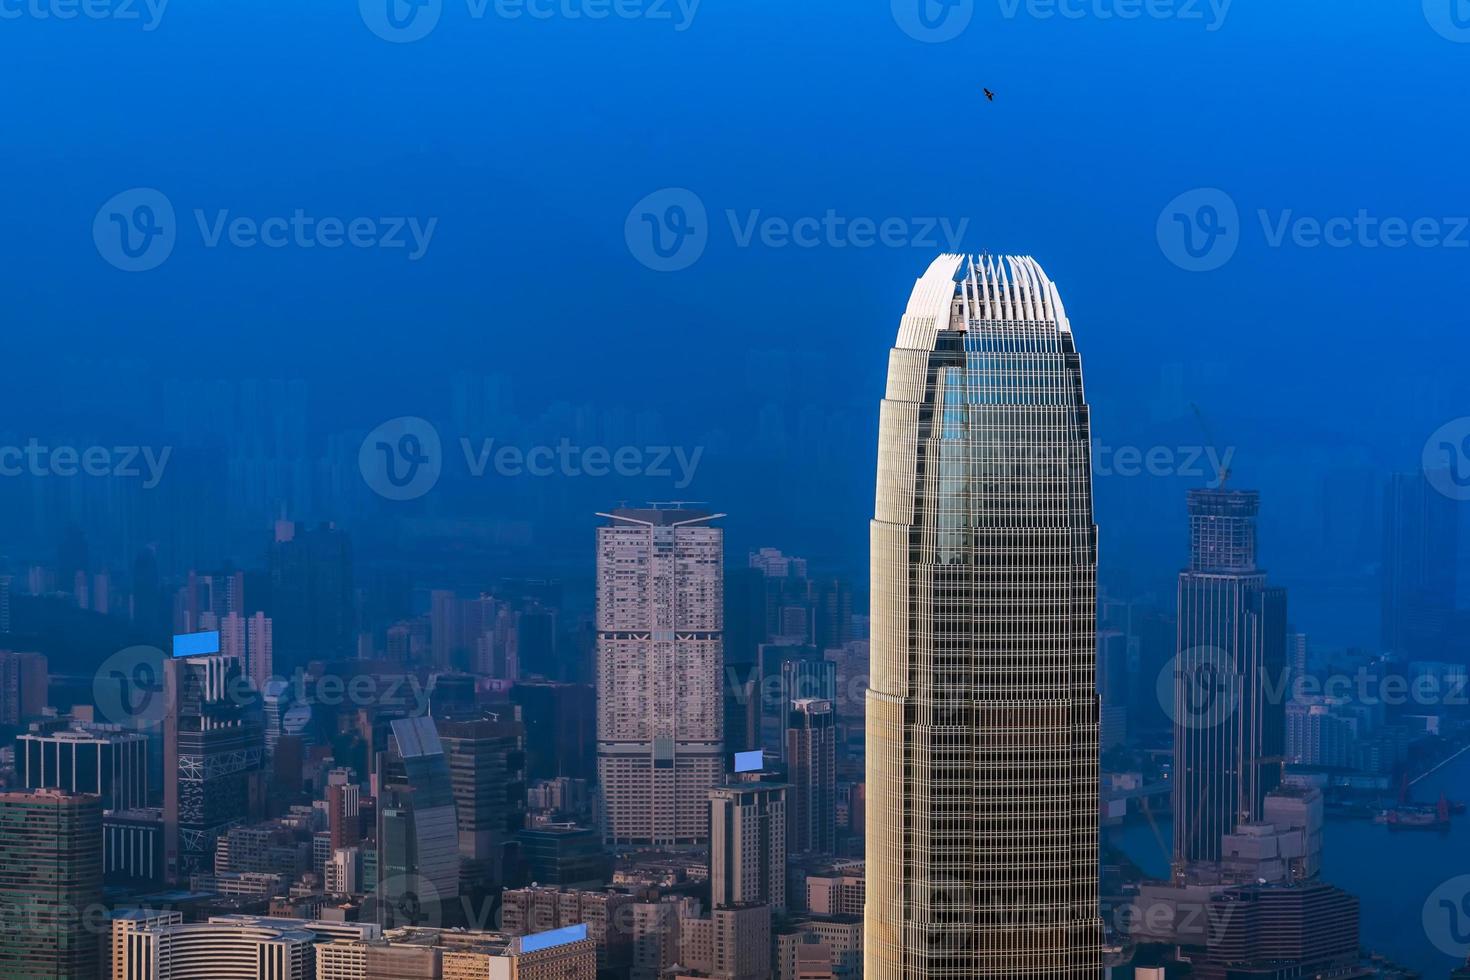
[520,145]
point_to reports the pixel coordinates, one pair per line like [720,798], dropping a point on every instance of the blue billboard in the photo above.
[556,937]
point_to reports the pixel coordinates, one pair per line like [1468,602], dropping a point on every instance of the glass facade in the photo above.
[982,827]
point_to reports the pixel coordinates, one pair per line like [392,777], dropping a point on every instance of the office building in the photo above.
[213,740]
[748,850]
[112,765]
[660,612]
[1229,731]
[982,762]
[24,682]
[811,768]
[50,884]
[418,832]
[487,762]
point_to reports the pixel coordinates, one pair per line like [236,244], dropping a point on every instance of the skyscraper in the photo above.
[748,850]
[213,754]
[1420,554]
[311,596]
[50,884]
[811,763]
[487,766]
[660,615]
[418,833]
[1229,729]
[982,815]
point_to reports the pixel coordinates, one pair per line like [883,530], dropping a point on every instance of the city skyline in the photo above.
[602,490]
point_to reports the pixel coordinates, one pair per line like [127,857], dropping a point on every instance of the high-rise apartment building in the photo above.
[982,761]
[50,884]
[1229,729]
[660,614]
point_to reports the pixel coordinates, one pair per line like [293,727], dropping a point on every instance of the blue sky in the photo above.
[522,143]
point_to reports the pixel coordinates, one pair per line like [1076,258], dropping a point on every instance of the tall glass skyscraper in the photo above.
[982,820]
[1229,727]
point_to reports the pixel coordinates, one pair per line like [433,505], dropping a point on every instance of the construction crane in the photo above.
[1222,475]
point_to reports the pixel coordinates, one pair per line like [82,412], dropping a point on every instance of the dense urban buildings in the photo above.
[982,789]
[660,714]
